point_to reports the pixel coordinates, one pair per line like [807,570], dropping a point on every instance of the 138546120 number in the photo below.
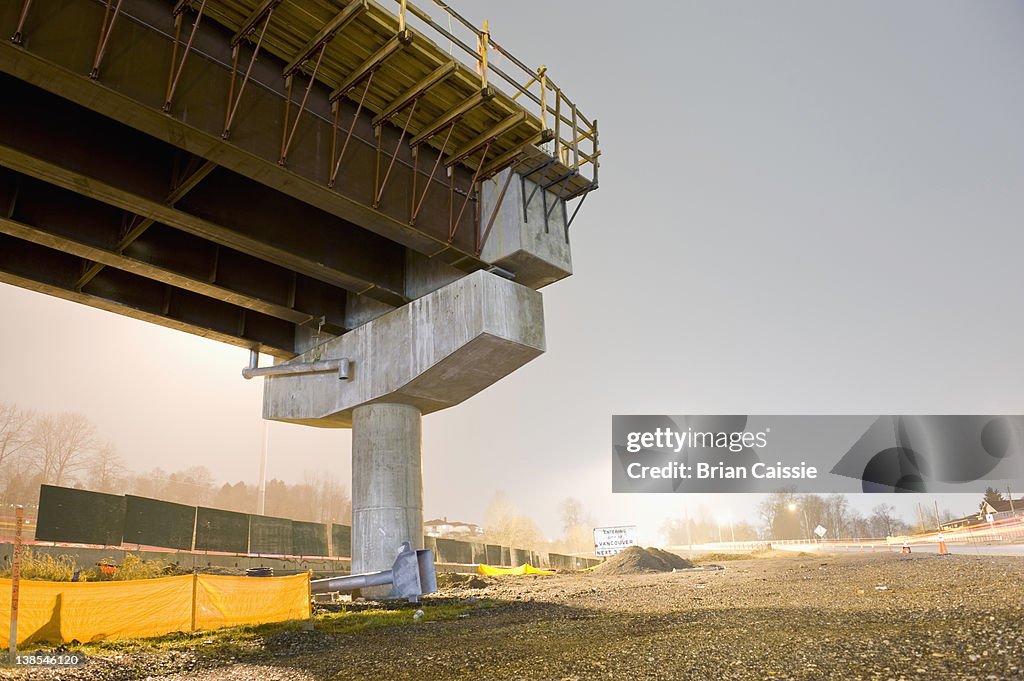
[49,660]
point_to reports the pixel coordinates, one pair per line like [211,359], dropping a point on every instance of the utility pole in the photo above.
[261,489]
[1010,497]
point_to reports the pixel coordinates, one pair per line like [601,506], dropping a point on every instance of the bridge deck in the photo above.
[402,59]
[265,171]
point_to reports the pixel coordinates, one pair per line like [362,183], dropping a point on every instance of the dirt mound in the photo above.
[723,557]
[637,560]
[453,580]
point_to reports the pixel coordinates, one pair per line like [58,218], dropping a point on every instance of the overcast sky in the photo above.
[806,207]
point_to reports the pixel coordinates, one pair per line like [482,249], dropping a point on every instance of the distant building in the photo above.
[999,510]
[451,529]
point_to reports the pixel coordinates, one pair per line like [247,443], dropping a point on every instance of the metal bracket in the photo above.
[286,137]
[453,227]
[234,101]
[19,33]
[106,29]
[336,165]
[433,171]
[324,366]
[482,238]
[526,201]
[569,222]
[394,156]
[177,68]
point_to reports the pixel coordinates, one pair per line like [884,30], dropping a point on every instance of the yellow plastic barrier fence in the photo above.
[59,612]
[524,569]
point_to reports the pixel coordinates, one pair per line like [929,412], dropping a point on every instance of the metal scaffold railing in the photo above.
[570,127]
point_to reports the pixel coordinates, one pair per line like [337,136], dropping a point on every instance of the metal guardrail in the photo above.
[1009,530]
[571,127]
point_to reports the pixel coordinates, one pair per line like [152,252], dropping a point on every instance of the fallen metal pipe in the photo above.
[411,576]
[353,582]
[341,366]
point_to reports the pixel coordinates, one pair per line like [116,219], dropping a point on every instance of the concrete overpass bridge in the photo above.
[332,182]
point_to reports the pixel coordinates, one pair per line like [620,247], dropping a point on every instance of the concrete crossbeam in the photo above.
[433,353]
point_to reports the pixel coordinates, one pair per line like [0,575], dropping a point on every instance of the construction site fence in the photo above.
[1003,530]
[83,518]
[61,612]
[450,555]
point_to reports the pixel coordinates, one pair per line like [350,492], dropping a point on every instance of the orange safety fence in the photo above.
[95,611]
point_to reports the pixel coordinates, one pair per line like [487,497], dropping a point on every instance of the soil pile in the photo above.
[637,560]
[453,580]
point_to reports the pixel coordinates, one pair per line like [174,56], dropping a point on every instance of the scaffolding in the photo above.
[457,100]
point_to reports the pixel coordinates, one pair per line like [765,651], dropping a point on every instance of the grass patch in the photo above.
[253,639]
[62,568]
[44,567]
[133,567]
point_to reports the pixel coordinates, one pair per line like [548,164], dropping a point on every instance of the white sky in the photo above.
[806,207]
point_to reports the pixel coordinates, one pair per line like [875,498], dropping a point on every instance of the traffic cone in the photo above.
[943,551]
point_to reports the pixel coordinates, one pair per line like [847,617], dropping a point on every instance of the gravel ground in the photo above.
[871,616]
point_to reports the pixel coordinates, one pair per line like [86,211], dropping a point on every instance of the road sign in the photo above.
[820,531]
[610,540]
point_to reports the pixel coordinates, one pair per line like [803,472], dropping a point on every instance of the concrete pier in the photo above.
[387,485]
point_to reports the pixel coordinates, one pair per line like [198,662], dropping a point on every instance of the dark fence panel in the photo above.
[454,551]
[158,523]
[341,541]
[218,530]
[493,554]
[78,516]
[309,539]
[560,561]
[270,535]
[431,544]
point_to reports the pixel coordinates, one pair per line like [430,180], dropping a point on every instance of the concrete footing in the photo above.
[387,486]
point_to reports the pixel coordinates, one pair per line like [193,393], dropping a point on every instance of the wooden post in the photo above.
[485,37]
[544,99]
[19,521]
[309,597]
[195,593]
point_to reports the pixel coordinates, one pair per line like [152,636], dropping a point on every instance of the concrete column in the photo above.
[387,485]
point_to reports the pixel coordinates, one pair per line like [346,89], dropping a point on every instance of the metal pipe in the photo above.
[352,582]
[321,367]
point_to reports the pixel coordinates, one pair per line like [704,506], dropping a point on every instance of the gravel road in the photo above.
[872,616]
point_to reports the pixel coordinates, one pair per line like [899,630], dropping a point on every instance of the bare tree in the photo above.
[62,444]
[15,436]
[577,525]
[105,469]
[506,526]
[883,520]
[837,515]
[15,428]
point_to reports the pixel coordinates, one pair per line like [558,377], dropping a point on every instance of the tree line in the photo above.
[66,449]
